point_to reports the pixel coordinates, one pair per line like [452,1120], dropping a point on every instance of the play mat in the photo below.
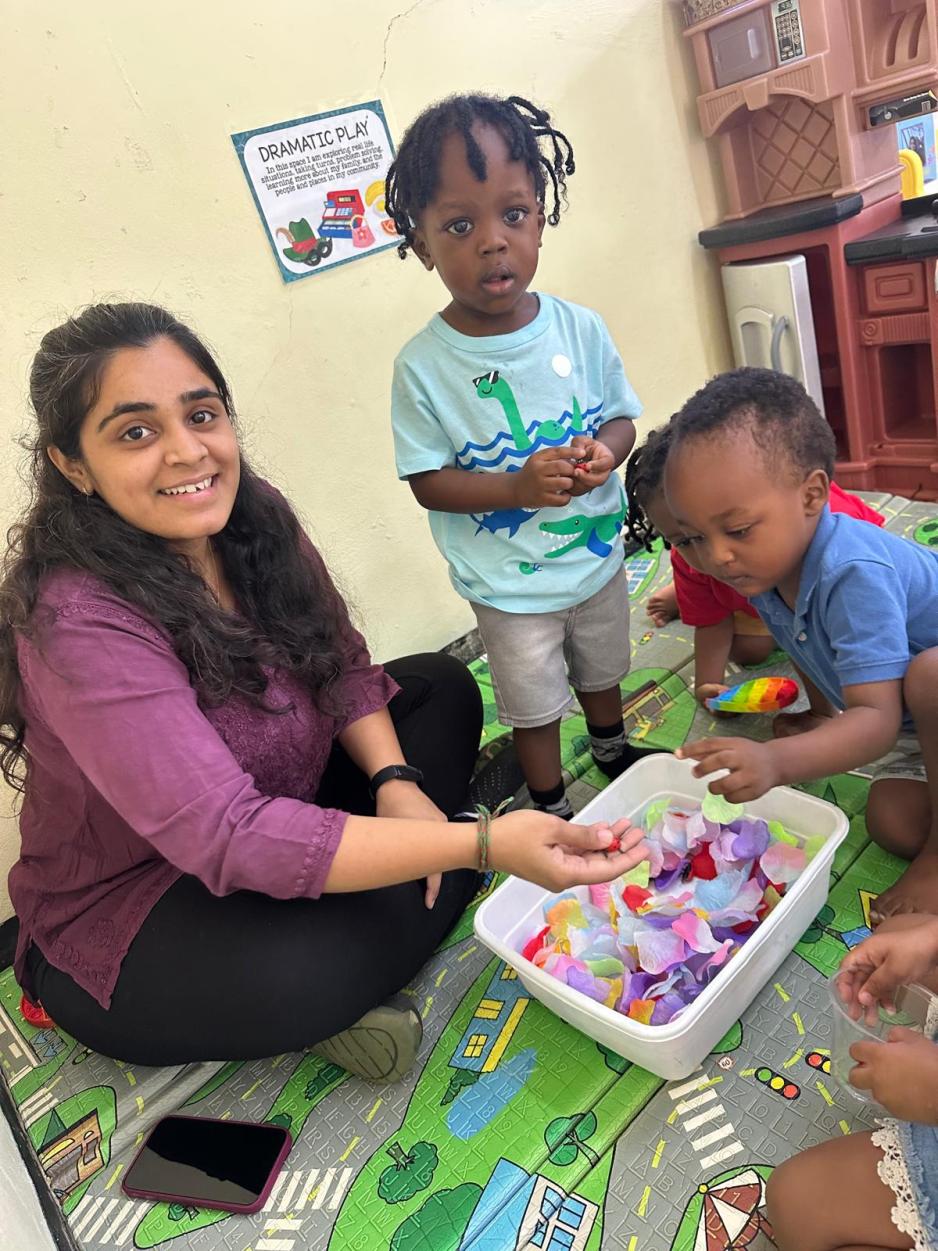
[513,1131]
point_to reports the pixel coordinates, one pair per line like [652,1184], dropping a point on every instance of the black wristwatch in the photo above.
[405,772]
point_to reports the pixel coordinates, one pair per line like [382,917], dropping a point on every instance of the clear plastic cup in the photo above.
[916,1008]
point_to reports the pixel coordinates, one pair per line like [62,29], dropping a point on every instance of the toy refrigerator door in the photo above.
[769,308]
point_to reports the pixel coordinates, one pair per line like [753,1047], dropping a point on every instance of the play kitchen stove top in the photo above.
[913,234]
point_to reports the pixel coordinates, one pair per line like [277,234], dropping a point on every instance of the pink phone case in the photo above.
[243,1208]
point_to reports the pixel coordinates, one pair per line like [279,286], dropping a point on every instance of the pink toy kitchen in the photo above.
[828,272]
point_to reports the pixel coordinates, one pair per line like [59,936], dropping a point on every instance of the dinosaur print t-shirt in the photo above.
[485,405]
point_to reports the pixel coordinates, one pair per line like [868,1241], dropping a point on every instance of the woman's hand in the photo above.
[558,854]
[900,1073]
[904,949]
[406,800]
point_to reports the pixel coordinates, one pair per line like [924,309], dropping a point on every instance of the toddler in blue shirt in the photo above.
[856,607]
[511,410]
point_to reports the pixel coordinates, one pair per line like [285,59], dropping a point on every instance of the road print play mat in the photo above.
[513,1131]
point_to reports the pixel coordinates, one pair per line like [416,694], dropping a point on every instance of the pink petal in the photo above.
[781,863]
[695,932]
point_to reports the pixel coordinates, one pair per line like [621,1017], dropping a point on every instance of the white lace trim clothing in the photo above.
[894,1173]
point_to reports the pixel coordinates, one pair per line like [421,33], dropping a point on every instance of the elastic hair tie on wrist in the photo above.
[486,817]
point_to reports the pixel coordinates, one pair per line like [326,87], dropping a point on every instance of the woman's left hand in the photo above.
[405,800]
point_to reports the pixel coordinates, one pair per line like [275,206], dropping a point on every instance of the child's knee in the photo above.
[920,686]
[898,815]
[785,1200]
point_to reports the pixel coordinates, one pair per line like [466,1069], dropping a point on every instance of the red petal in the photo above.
[702,865]
[635,897]
[534,944]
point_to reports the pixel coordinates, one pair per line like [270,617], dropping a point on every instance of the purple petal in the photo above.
[669,876]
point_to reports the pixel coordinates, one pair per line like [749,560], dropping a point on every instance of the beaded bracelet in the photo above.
[486,817]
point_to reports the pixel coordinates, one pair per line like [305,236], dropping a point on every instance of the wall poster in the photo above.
[318,183]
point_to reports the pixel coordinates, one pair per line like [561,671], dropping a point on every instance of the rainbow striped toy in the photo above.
[756,695]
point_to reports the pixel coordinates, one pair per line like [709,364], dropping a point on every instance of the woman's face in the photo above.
[159,447]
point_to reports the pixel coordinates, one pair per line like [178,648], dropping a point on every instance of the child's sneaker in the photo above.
[627,757]
[382,1046]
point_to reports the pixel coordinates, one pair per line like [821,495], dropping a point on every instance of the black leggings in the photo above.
[244,975]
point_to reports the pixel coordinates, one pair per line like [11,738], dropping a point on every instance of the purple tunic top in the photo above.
[131,784]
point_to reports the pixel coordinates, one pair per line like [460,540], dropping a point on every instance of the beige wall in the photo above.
[118,180]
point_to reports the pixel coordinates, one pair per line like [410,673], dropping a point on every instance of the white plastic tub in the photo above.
[513,914]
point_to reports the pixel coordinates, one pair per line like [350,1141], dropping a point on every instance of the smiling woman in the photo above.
[236,835]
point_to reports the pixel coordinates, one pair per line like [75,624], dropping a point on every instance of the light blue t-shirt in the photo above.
[485,405]
[867,603]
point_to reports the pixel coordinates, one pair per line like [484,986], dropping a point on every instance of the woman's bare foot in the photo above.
[787,724]
[915,891]
[662,606]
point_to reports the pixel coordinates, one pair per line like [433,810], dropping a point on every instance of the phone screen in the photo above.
[222,1164]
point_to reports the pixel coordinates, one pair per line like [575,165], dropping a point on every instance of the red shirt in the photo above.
[704,601]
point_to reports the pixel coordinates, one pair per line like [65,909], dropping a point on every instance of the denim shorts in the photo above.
[536,657]
[909,1168]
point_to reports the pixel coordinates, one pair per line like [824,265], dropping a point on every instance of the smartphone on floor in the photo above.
[204,1163]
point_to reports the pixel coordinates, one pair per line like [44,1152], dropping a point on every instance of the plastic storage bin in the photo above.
[513,913]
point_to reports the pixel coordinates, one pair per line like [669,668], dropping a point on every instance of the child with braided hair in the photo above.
[511,410]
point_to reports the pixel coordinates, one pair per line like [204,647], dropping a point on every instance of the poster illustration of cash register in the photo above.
[343,217]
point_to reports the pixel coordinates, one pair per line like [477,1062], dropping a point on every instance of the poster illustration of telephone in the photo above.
[318,183]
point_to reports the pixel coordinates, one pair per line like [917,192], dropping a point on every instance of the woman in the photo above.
[227,808]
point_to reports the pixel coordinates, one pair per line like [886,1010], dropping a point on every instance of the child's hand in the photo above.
[708,690]
[546,481]
[600,463]
[752,768]
[558,854]
[901,1074]
[904,949]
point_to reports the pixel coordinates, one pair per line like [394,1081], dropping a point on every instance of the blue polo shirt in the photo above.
[867,603]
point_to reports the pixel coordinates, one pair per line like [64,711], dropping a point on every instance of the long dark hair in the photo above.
[291,615]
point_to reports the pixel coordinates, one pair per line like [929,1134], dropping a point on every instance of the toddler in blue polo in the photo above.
[856,607]
[511,411]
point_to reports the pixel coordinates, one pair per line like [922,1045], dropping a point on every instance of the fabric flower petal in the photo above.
[782,863]
[659,950]
[641,1010]
[695,932]
[718,808]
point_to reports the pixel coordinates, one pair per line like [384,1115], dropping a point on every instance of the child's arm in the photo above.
[901,1074]
[904,949]
[864,732]
[818,702]
[545,481]
[712,645]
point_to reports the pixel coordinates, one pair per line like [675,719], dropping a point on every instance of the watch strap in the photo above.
[401,772]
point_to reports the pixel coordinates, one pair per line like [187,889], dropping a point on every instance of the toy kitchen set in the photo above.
[828,273]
